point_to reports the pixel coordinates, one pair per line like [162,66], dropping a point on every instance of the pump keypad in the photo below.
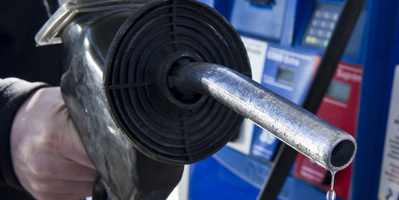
[321,25]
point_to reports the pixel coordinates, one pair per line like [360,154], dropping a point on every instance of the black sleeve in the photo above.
[13,93]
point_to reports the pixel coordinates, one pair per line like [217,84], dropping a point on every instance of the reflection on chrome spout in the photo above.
[317,139]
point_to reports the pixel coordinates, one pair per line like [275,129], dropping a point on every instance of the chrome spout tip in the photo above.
[342,154]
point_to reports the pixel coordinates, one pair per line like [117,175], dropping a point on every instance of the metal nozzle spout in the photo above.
[317,139]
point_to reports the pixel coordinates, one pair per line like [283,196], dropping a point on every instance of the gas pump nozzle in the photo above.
[151,87]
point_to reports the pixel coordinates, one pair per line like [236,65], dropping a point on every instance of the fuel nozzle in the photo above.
[169,84]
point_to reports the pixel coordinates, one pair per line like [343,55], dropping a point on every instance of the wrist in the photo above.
[13,93]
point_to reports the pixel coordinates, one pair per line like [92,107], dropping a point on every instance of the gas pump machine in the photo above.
[286,41]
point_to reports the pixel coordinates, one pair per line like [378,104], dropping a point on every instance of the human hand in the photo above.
[48,156]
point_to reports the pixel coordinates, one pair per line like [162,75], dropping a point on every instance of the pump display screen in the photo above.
[322,24]
[339,90]
[285,75]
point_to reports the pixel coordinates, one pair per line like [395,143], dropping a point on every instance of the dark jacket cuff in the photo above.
[13,93]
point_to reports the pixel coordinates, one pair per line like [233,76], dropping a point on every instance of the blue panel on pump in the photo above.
[257,20]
